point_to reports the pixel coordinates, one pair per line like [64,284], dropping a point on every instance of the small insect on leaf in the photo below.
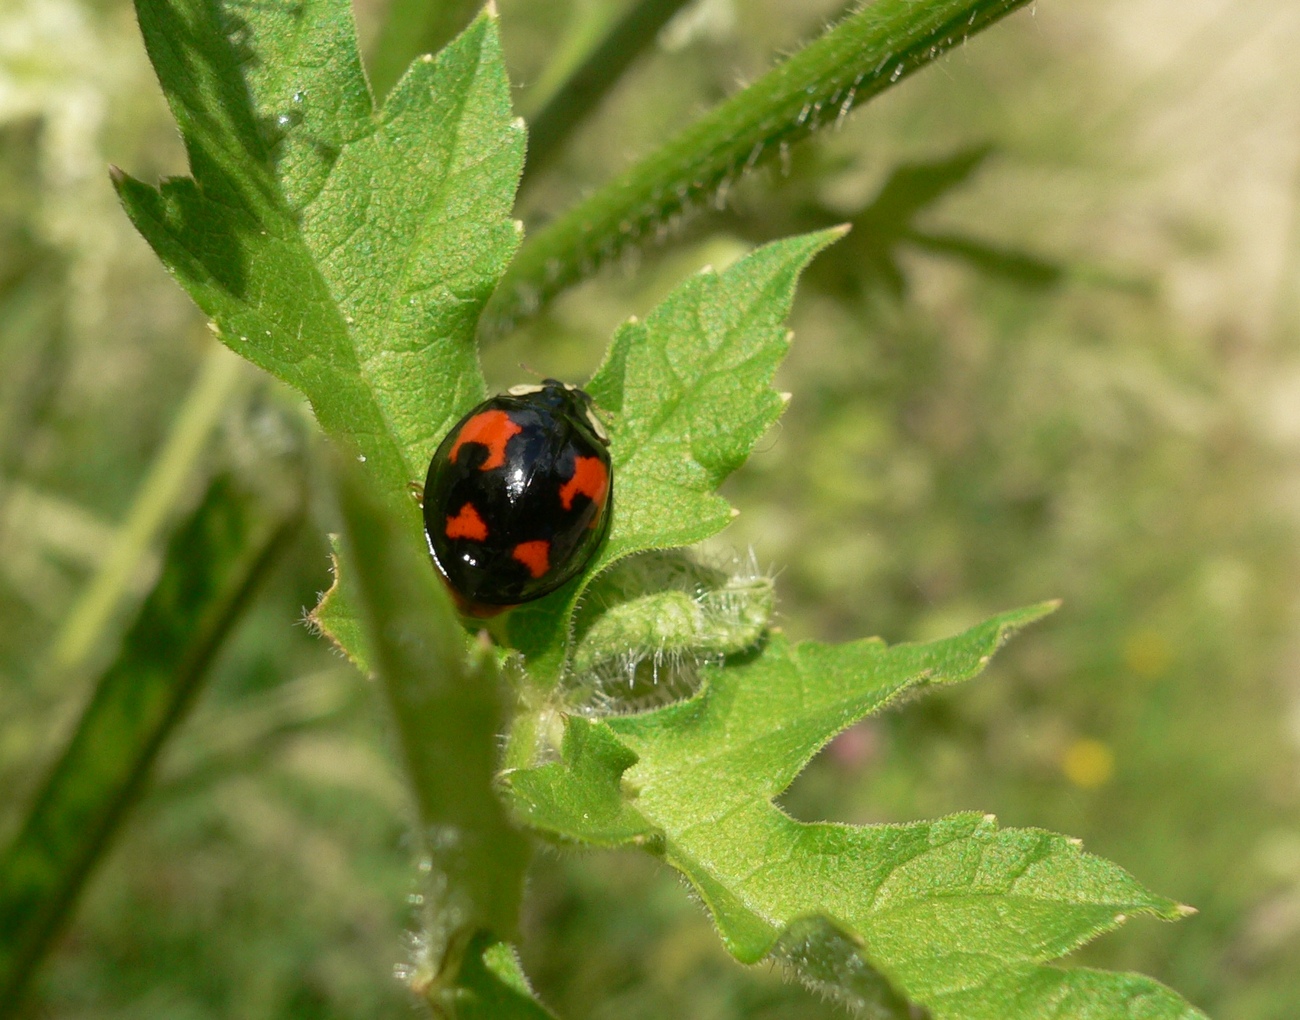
[517,500]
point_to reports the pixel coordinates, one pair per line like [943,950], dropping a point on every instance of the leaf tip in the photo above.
[1031,614]
[490,9]
[839,231]
[1185,910]
[786,397]
[116,174]
[734,513]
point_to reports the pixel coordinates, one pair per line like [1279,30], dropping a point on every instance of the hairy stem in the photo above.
[445,702]
[859,58]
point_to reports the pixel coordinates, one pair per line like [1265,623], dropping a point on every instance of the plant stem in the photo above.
[859,58]
[214,563]
[445,702]
[521,739]
[593,78]
[84,627]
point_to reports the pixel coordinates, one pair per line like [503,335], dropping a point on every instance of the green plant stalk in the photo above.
[445,701]
[858,59]
[85,627]
[594,77]
[413,28]
[444,697]
[521,738]
[215,561]
[585,26]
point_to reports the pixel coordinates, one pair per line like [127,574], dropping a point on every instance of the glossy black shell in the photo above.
[515,461]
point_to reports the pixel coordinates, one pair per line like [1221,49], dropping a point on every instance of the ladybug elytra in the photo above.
[517,499]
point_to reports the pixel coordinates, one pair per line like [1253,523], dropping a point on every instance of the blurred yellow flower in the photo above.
[1088,763]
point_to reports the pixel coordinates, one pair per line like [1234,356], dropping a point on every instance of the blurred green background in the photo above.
[1058,356]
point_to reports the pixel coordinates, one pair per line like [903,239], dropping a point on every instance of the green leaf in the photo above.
[890,221]
[867,53]
[346,250]
[493,986]
[336,617]
[688,394]
[446,704]
[870,257]
[955,914]
[880,228]
[213,564]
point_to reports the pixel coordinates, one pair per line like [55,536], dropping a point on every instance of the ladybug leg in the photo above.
[417,493]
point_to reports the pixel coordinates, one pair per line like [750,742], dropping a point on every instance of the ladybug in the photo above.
[517,499]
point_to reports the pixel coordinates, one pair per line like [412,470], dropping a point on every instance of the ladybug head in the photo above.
[564,398]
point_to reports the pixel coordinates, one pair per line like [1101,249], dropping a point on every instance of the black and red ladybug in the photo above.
[517,499]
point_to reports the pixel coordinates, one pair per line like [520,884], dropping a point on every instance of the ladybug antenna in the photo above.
[524,389]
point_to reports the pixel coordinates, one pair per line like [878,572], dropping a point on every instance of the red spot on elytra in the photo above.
[536,556]
[492,429]
[589,479]
[467,524]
